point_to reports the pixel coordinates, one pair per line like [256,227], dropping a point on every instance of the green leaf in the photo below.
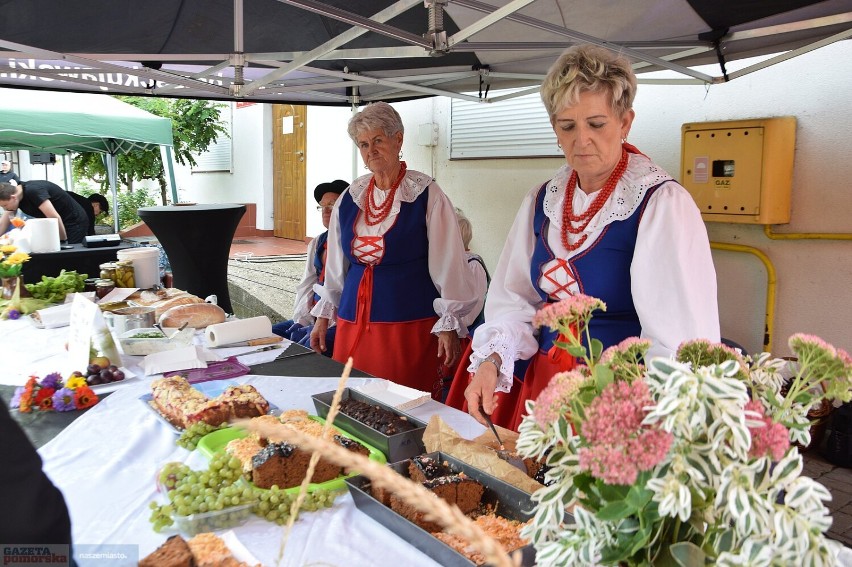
[640,539]
[597,348]
[614,511]
[637,496]
[576,350]
[603,376]
[583,482]
[687,554]
[725,541]
[613,492]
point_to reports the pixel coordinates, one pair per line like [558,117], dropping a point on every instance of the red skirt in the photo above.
[405,353]
[510,406]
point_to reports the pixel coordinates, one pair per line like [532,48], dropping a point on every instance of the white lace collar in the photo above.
[641,175]
[413,184]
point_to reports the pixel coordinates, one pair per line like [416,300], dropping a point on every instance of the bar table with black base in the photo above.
[197,240]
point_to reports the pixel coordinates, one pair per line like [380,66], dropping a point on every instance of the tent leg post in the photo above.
[169,169]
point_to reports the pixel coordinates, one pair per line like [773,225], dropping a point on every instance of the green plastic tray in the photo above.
[215,442]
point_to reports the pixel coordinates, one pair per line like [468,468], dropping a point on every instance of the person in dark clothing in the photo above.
[87,206]
[99,204]
[34,509]
[43,199]
[6,173]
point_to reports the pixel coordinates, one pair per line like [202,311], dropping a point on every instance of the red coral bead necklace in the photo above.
[575,224]
[374,214]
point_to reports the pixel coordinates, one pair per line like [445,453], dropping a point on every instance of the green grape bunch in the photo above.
[192,435]
[221,497]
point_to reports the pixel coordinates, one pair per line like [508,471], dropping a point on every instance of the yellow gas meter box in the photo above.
[740,171]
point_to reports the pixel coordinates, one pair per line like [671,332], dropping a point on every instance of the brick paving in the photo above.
[838,480]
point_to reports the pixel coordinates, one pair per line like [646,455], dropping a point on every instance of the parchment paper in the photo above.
[480,452]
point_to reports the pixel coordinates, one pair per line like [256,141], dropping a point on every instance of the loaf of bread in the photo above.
[164,299]
[196,315]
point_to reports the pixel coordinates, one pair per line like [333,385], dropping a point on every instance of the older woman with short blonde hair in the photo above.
[611,224]
[395,268]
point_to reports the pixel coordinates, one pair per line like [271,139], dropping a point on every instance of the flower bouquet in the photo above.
[52,394]
[11,261]
[684,461]
[12,305]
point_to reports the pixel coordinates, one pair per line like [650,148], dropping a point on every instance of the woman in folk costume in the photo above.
[395,272]
[610,224]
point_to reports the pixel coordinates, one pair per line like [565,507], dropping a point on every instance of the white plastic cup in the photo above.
[146,265]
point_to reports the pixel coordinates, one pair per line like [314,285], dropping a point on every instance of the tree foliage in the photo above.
[128,203]
[196,125]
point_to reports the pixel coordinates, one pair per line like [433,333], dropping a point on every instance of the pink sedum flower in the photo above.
[821,362]
[630,348]
[577,308]
[554,400]
[619,446]
[770,439]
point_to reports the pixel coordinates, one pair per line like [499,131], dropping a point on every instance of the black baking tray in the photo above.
[511,503]
[395,447]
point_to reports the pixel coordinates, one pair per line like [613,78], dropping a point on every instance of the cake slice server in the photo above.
[502,452]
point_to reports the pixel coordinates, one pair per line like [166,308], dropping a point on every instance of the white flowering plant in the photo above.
[685,461]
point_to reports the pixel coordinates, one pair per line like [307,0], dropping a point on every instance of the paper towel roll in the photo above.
[44,235]
[221,334]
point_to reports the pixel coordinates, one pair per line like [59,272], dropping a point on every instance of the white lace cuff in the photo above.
[325,309]
[507,356]
[449,322]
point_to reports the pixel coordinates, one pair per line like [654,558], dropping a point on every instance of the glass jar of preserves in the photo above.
[108,271]
[124,276]
[103,287]
[89,284]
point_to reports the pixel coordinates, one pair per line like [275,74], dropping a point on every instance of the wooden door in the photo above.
[289,141]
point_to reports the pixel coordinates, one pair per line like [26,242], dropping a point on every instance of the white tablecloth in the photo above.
[105,463]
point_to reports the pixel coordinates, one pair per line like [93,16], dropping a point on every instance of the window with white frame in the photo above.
[219,156]
[511,128]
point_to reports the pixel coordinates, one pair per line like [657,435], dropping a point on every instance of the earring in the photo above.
[558,145]
[400,154]
[624,140]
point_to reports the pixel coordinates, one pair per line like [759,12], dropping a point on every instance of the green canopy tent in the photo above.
[81,122]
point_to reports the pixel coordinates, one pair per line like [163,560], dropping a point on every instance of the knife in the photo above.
[262,349]
[254,342]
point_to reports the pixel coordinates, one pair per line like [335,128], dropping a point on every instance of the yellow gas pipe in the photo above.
[770,268]
[769,322]
[767,230]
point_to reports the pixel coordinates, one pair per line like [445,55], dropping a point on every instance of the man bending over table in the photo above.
[43,199]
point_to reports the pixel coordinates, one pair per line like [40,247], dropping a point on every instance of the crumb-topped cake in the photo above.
[283,464]
[440,479]
[203,550]
[182,405]
[173,553]
[506,532]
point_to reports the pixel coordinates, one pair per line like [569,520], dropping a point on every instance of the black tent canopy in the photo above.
[344,52]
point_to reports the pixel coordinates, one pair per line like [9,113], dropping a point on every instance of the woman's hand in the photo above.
[318,335]
[449,347]
[480,391]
